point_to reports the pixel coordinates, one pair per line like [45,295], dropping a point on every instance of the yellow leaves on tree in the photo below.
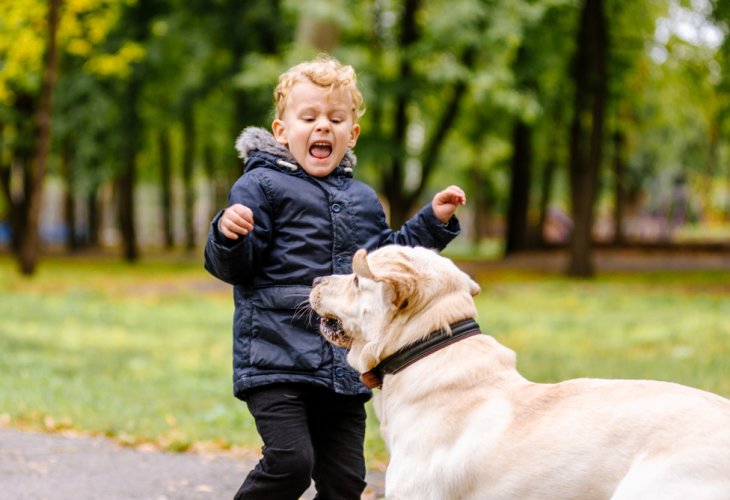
[83,29]
[21,45]
[118,64]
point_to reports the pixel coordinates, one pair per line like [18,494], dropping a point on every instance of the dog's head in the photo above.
[396,296]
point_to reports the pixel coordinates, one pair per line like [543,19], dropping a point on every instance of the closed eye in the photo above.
[356,280]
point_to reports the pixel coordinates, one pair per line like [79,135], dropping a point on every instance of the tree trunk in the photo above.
[727,187]
[483,199]
[18,187]
[93,213]
[479,202]
[520,179]
[30,236]
[400,200]
[126,181]
[188,161]
[219,189]
[16,175]
[6,186]
[586,136]
[394,177]
[546,188]
[69,202]
[137,17]
[21,166]
[713,153]
[163,141]
[619,175]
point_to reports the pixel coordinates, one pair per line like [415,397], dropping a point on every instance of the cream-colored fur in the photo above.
[462,423]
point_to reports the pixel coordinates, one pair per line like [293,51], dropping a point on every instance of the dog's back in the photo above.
[509,438]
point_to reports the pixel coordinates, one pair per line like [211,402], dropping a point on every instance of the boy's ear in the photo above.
[279,130]
[354,134]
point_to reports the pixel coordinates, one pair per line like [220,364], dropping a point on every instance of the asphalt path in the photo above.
[51,466]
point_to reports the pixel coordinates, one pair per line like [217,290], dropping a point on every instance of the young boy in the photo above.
[295,214]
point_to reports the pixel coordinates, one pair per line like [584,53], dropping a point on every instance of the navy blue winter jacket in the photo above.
[304,227]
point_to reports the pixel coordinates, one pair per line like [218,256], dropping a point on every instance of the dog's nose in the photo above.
[316,281]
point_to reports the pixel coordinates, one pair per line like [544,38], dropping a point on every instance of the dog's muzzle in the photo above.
[332,330]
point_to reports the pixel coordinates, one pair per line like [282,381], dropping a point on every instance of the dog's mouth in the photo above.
[331,328]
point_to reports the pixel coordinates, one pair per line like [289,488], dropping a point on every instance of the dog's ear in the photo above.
[360,264]
[403,289]
[402,283]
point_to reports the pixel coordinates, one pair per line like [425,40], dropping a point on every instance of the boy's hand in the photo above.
[236,219]
[445,202]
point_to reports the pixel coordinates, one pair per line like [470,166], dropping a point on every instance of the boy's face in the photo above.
[317,126]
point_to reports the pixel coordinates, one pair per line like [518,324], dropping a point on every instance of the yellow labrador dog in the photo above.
[461,423]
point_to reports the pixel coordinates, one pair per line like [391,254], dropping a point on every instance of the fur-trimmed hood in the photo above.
[259,139]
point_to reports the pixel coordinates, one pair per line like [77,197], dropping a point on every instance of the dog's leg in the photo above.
[671,479]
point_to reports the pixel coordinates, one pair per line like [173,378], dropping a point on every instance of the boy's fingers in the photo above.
[244,212]
[237,219]
[458,194]
[242,222]
[242,217]
[455,195]
[223,227]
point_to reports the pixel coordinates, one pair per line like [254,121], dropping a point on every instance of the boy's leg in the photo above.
[338,434]
[285,470]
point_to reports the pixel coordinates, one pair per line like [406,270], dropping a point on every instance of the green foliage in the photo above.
[218,62]
[83,29]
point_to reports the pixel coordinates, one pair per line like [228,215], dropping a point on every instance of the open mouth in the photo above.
[321,150]
[331,328]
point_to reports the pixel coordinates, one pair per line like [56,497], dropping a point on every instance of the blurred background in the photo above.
[570,123]
[581,130]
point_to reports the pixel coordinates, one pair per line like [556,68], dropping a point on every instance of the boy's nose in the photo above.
[323,125]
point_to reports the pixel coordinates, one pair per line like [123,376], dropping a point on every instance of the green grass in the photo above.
[142,353]
[668,326]
[134,352]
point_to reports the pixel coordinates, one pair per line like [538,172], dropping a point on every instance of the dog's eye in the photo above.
[356,280]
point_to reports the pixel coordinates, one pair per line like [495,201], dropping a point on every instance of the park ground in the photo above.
[36,465]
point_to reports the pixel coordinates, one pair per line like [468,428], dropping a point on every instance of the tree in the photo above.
[425,61]
[520,183]
[136,22]
[586,135]
[464,91]
[28,88]
[30,238]
[632,29]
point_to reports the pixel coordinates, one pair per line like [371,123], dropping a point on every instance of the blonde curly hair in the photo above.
[325,71]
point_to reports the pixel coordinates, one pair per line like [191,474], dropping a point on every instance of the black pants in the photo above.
[308,433]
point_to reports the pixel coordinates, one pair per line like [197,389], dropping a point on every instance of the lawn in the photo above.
[141,353]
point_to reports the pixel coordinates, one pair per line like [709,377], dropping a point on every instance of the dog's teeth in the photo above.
[330,324]
[332,329]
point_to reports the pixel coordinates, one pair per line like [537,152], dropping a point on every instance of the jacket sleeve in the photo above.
[236,261]
[423,229]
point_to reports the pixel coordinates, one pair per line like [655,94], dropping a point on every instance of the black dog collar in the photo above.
[436,340]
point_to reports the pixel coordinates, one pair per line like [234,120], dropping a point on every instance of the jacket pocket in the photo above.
[283,333]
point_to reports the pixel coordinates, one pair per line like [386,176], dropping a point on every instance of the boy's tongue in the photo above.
[320,150]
